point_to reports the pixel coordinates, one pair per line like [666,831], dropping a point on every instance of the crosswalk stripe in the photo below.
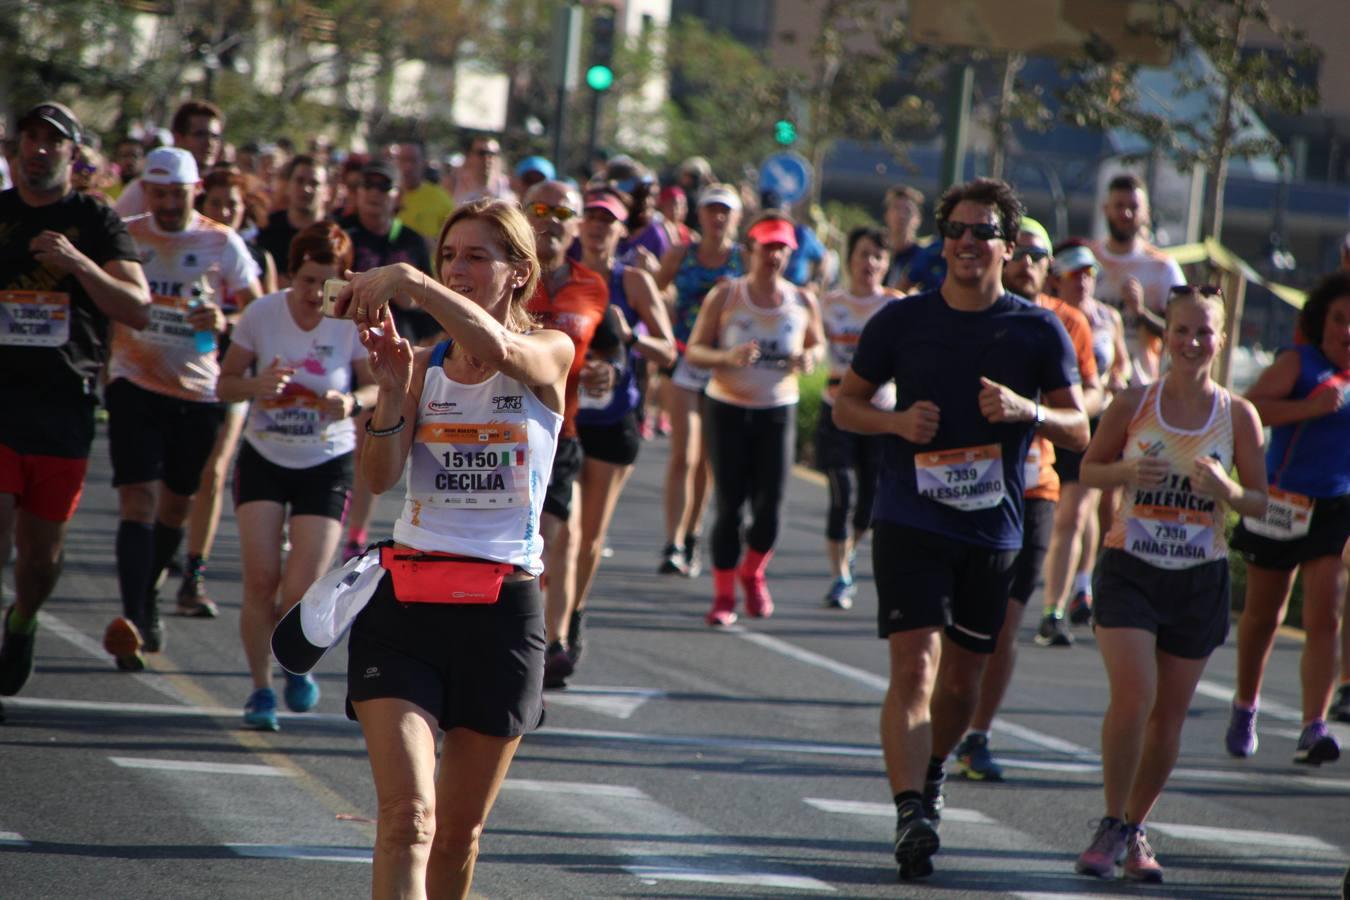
[297,851]
[887,810]
[199,766]
[616,702]
[574,787]
[12,839]
[1270,839]
[651,874]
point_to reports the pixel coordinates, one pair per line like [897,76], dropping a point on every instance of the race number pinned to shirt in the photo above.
[967,479]
[1288,516]
[168,323]
[475,466]
[292,420]
[1170,538]
[34,318]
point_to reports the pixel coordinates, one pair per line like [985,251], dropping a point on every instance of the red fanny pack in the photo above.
[442,578]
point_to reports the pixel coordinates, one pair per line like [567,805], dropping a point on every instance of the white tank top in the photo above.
[480,462]
[781,333]
[844,316]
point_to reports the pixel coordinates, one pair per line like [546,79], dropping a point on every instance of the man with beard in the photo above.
[977,372]
[1025,275]
[1135,276]
[163,414]
[67,268]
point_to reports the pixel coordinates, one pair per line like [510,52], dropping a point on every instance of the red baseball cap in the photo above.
[608,202]
[774,231]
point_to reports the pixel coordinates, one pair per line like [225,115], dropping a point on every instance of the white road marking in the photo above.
[616,702]
[651,874]
[200,766]
[887,810]
[295,851]
[94,649]
[716,743]
[12,839]
[1268,839]
[574,787]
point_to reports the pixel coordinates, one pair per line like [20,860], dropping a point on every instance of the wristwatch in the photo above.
[1039,415]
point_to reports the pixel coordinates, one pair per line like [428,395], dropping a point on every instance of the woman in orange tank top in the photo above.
[1162,593]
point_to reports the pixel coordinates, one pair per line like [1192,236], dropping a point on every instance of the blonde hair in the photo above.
[1208,296]
[516,238]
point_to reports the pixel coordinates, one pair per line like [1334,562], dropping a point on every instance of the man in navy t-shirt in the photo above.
[977,371]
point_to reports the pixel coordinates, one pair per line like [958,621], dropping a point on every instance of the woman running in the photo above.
[1162,582]
[755,334]
[635,328]
[850,460]
[455,629]
[1302,397]
[294,474]
[693,269]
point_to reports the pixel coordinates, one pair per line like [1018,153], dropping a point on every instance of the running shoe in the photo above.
[192,600]
[663,424]
[723,612]
[672,562]
[123,640]
[1340,707]
[16,658]
[758,602]
[1053,632]
[693,559]
[840,594]
[1140,863]
[916,839]
[975,761]
[1241,737]
[1106,850]
[260,712]
[558,666]
[1317,745]
[933,798]
[302,692]
[1080,608]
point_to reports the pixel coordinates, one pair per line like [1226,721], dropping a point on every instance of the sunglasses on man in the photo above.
[547,211]
[983,231]
[1035,254]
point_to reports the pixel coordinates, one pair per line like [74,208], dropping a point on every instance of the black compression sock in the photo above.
[935,770]
[166,545]
[135,556]
[905,796]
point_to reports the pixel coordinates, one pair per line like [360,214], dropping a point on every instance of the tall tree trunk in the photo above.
[1224,133]
[1001,129]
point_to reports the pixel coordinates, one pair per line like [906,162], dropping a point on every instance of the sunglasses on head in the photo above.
[1035,254]
[545,211]
[983,231]
[1186,290]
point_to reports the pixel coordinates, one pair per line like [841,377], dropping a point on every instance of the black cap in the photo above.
[58,116]
[382,167]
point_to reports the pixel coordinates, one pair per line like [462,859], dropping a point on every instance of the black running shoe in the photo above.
[1053,632]
[16,658]
[916,839]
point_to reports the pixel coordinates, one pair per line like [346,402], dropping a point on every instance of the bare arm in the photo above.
[703,350]
[813,345]
[1270,394]
[399,376]
[1102,466]
[1065,424]
[853,411]
[118,288]
[658,344]
[1247,495]
[670,264]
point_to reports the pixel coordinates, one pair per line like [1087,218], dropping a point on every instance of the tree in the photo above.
[1213,60]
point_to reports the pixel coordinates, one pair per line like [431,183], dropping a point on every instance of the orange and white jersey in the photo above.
[781,334]
[205,261]
[843,315]
[1171,525]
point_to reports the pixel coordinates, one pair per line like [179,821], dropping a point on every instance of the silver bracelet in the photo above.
[385,432]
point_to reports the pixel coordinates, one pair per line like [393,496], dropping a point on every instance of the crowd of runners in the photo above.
[1006,418]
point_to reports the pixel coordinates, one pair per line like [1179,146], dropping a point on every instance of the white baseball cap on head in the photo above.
[170,165]
[719,193]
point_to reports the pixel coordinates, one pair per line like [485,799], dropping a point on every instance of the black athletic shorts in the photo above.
[566,468]
[925,580]
[1187,609]
[154,437]
[471,665]
[1038,524]
[839,449]
[321,490]
[617,443]
[1327,534]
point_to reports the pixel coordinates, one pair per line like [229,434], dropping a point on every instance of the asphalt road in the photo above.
[680,763]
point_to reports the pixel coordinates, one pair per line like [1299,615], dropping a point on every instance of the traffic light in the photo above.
[600,74]
[784,132]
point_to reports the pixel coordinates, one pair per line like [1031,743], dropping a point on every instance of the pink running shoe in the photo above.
[723,611]
[1140,863]
[1107,849]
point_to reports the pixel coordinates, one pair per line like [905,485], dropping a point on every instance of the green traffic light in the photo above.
[599,78]
[784,132]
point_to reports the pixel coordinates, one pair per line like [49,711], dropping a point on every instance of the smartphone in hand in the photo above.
[331,288]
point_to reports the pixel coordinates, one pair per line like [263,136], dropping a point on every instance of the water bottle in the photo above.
[202,341]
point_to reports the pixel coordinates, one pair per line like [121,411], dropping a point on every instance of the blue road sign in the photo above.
[786,174]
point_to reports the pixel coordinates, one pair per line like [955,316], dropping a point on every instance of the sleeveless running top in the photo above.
[1312,457]
[692,282]
[780,331]
[481,459]
[844,316]
[1170,525]
[623,397]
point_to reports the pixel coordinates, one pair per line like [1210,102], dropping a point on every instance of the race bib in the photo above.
[475,466]
[1031,468]
[168,323]
[34,318]
[1170,538]
[967,479]
[294,420]
[1288,516]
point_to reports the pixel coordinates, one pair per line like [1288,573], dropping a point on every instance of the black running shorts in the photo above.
[155,437]
[1187,609]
